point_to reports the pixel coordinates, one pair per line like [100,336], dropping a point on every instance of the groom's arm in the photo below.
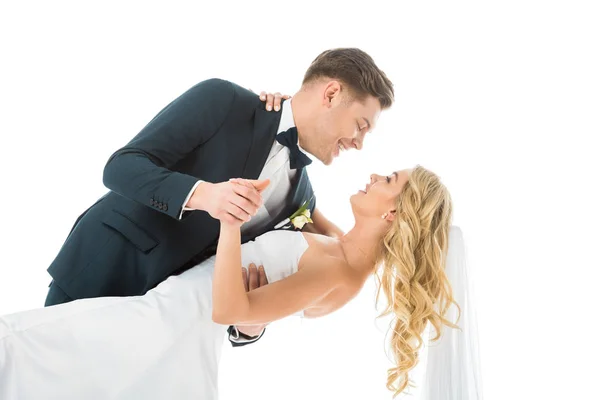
[323,226]
[141,170]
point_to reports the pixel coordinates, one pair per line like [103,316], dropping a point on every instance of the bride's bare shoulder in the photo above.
[323,246]
[326,252]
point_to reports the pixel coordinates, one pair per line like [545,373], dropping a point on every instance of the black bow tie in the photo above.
[289,138]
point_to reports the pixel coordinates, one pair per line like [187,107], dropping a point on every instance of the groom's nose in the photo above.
[357,143]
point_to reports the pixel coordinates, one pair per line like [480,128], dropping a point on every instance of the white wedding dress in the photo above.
[162,345]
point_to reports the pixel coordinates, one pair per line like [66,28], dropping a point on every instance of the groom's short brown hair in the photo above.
[357,70]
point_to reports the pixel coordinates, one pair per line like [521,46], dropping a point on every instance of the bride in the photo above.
[166,343]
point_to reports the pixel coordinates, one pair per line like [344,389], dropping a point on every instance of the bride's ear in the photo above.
[390,215]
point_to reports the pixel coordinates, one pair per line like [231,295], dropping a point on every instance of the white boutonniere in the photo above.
[298,219]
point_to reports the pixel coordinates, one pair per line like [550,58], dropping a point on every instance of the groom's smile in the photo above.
[351,122]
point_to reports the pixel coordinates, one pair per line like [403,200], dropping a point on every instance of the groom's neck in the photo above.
[300,103]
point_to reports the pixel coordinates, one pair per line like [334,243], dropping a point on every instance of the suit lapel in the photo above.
[264,132]
[299,192]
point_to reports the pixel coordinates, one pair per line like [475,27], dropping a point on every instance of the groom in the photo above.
[169,186]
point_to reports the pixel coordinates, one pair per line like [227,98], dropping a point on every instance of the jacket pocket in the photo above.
[130,230]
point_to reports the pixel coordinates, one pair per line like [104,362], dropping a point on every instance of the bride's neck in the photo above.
[361,245]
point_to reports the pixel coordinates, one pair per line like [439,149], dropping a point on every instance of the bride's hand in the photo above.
[273,100]
[259,185]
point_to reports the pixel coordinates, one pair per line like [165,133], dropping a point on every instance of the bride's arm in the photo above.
[232,305]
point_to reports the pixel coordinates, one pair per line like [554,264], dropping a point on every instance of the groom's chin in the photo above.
[328,160]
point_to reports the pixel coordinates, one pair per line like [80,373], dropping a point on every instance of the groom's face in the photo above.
[342,123]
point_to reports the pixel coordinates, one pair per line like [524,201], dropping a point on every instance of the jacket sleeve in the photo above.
[141,170]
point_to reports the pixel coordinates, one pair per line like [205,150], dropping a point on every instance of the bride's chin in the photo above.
[355,204]
[356,195]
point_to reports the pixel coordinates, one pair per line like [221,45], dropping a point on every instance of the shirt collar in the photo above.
[287,120]
[287,116]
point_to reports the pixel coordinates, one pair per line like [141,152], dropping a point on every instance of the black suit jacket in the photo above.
[131,239]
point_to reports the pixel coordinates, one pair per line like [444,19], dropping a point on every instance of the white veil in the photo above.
[452,370]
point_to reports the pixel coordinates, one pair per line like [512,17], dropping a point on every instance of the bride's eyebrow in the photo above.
[396,175]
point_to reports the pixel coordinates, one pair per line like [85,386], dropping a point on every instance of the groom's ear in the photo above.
[331,95]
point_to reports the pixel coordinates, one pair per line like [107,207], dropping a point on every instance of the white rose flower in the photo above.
[302,219]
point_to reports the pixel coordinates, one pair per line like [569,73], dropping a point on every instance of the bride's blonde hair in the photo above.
[412,274]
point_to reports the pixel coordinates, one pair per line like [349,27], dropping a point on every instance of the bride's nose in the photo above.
[374,178]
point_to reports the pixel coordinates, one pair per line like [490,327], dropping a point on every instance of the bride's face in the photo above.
[379,195]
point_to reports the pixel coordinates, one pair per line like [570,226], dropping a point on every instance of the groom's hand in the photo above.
[245,184]
[228,202]
[253,279]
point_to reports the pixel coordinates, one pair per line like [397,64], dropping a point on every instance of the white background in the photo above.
[501,99]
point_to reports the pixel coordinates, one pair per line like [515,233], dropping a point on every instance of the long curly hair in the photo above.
[412,270]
